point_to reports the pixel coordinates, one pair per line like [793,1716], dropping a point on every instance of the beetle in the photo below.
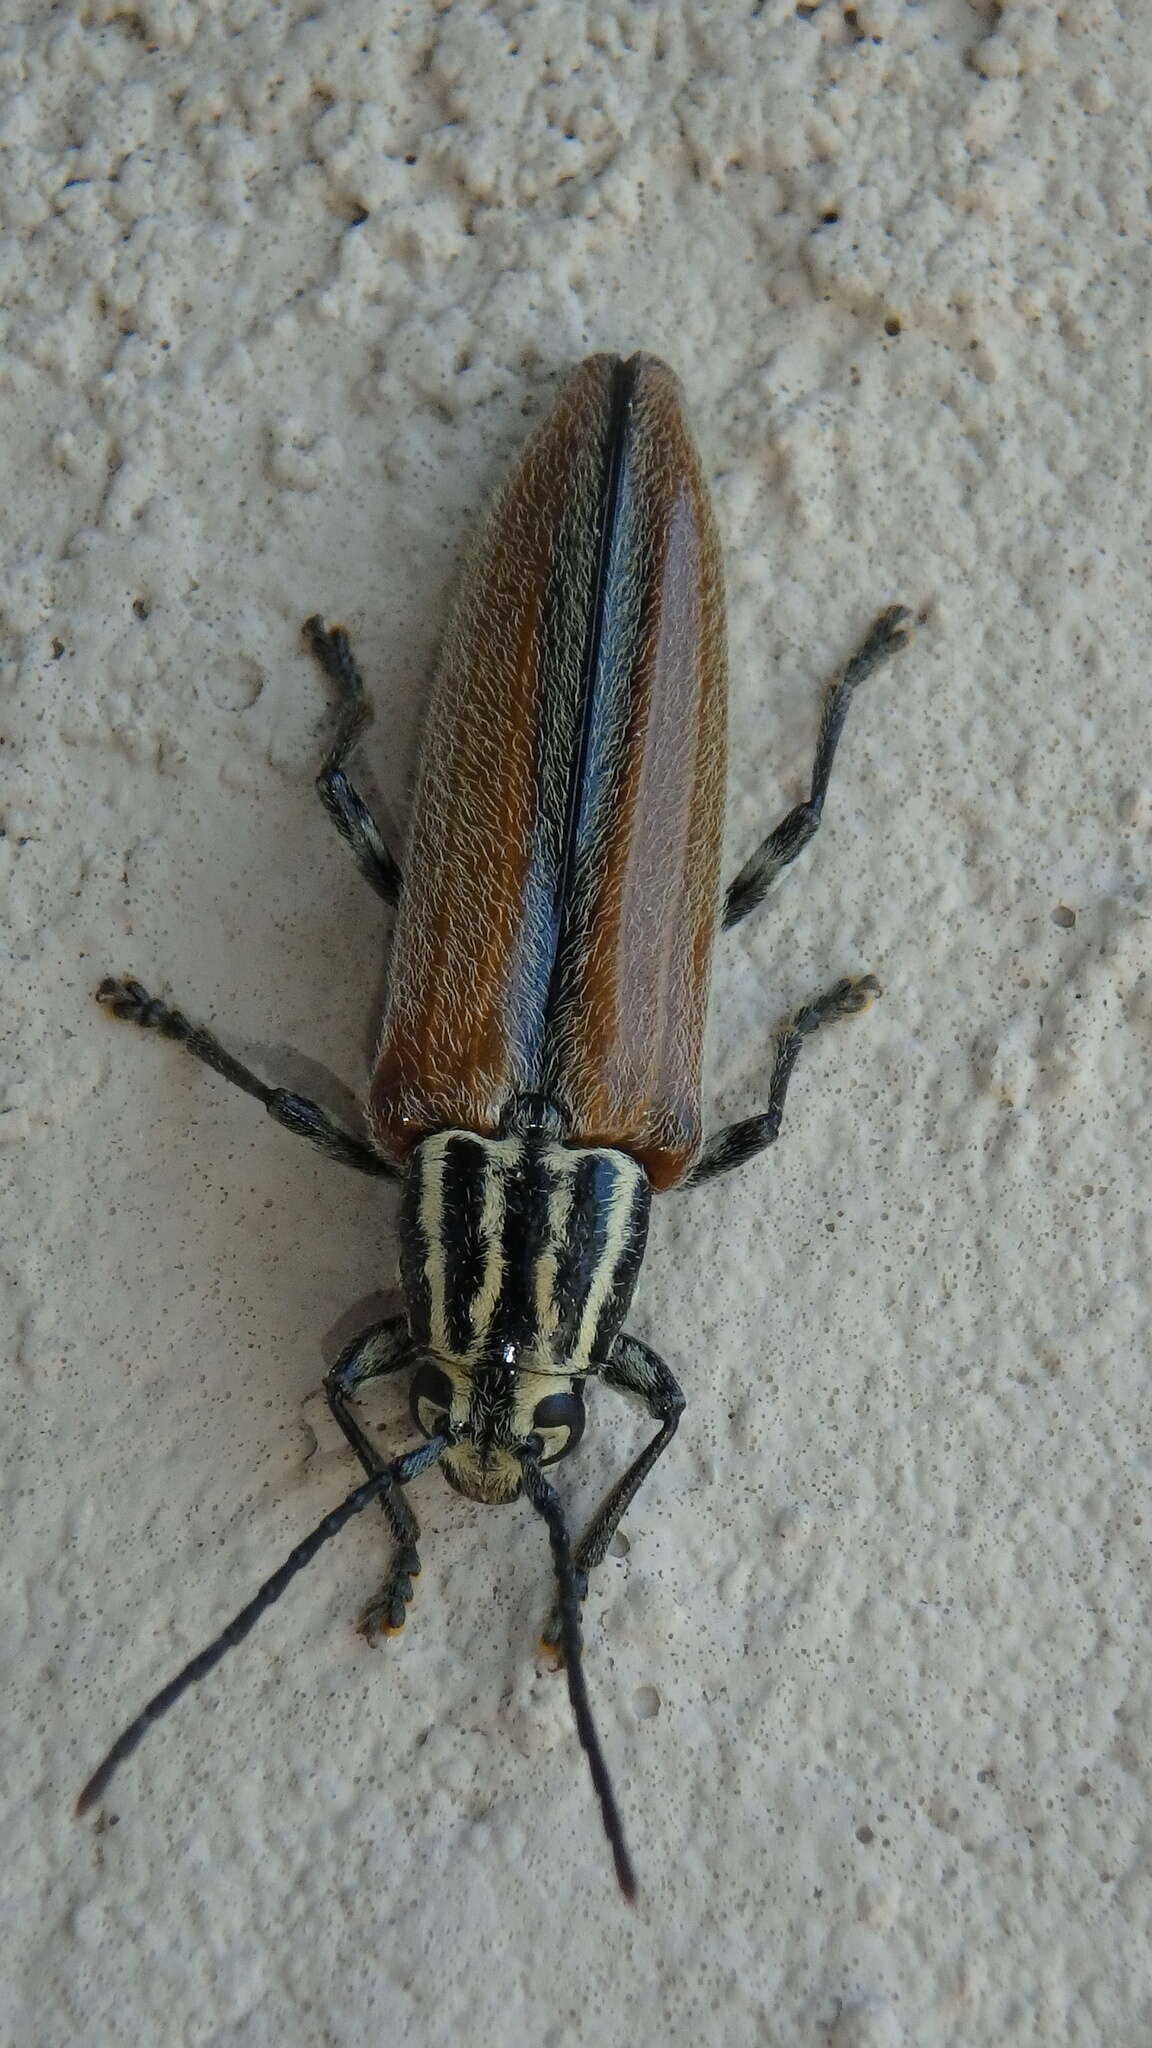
[538,1076]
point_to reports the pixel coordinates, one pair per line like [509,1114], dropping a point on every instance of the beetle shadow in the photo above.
[382,1404]
[355,1321]
[284,1066]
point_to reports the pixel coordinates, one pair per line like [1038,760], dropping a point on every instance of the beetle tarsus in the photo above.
[737,1143]
[887,635]
[130,1001]
[343,803]
[387,1613]
[384,1348]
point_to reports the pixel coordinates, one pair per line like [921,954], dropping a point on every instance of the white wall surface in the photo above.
[283,289]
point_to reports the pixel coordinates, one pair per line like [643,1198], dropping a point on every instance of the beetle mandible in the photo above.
[538,1073]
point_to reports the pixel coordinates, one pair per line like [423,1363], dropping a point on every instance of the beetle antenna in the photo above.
[397,1474]
[546,1501]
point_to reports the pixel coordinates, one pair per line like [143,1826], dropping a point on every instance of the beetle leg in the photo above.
[385,1347]
[890,633]
[131,1001]
[737,1143]
[344,804]
[633,1369]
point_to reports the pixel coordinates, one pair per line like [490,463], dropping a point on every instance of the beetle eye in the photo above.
[430,1399]
[559,1420]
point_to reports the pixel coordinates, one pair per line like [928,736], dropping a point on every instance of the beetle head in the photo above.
[492,1411]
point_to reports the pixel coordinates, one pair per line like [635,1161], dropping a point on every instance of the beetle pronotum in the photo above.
[538,1074]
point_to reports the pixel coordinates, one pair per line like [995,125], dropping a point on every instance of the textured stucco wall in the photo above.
[283,288]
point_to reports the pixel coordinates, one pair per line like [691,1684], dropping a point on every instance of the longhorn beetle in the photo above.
[538,1073]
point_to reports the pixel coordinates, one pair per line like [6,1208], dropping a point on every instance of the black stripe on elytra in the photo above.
[572,608]
[633,595]
[464,1178]
[616,445]
[557,709]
